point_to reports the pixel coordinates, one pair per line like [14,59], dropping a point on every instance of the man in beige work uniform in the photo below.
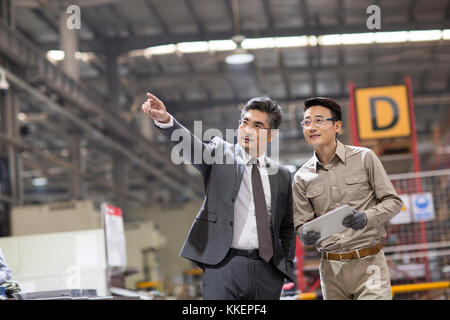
[353,265]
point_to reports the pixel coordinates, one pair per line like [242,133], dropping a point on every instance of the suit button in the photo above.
[233,199]
[231,223]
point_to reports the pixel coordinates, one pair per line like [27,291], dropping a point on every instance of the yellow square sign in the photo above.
[382,112]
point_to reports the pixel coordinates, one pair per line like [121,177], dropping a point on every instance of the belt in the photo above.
[251,253]
[356,254]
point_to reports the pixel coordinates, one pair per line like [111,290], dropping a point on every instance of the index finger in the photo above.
[153,97]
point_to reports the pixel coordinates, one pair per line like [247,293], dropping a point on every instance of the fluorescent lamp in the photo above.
[39,182]
[84,56]
[285,42]
[21,116]
[4,84]
[446,34]
[195,46]
[164,49]
[222,45]
[258,43]
[358,38]
[278,42]
[330,40]
[312,41]
[388,37]
[426,35]
[55,55]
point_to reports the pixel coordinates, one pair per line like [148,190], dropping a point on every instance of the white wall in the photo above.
[57,261]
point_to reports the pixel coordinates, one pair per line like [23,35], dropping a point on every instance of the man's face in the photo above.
[254,132]
[323,134]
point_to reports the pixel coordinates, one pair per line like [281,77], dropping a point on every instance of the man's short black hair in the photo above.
[267,105]
[334,107]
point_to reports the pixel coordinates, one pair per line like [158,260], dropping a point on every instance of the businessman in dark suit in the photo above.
[243,236]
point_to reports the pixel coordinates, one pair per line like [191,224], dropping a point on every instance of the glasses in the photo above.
[318,122]
[246,123]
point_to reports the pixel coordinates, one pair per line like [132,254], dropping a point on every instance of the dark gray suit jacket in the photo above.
[211,234]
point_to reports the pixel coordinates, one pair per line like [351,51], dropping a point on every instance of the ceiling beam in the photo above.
[283,74]
[412,9]
[181,77]
[66,165]
[340,10]
[204,87]
[52,25]
[341,62]
[190,7]
[303,11]
[268,13]
[119,16]
[229,10]
[86,100]
[126,44]
[179,107]
[154,12]
[312,70]
[98,35]
[257,72]
[447,10]
[371,60]
[230,83]
[95,134]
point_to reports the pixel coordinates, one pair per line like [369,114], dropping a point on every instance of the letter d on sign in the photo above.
[373,113]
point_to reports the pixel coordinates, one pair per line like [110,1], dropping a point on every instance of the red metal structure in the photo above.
[416,160]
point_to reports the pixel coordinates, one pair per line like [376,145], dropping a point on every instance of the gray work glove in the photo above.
[310,237]
[357,220]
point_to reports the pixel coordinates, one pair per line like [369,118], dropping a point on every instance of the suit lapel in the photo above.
[239,169]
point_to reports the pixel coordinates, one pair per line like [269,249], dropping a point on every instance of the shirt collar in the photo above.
[246,157]
[340,152]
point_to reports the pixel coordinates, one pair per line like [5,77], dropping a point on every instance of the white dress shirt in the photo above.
[245,234]
[163,125]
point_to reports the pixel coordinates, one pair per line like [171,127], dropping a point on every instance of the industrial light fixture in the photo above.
[240,55]
[39,181]
[55,55]
[4,84]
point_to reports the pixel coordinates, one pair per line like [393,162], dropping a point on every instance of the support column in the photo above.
[12,191]
[7,13]
[77,186]
[10,126]
[14,154]
[120,165]
[112,78]
[120,178]
[68,42]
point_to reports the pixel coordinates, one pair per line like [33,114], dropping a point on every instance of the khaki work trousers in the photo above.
[366,278]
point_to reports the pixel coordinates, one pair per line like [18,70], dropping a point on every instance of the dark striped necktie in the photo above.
[262,221]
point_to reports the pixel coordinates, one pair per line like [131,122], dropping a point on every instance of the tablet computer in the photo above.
[329,223]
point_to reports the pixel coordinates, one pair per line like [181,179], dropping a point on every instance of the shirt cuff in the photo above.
[372,220]
[165,125]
